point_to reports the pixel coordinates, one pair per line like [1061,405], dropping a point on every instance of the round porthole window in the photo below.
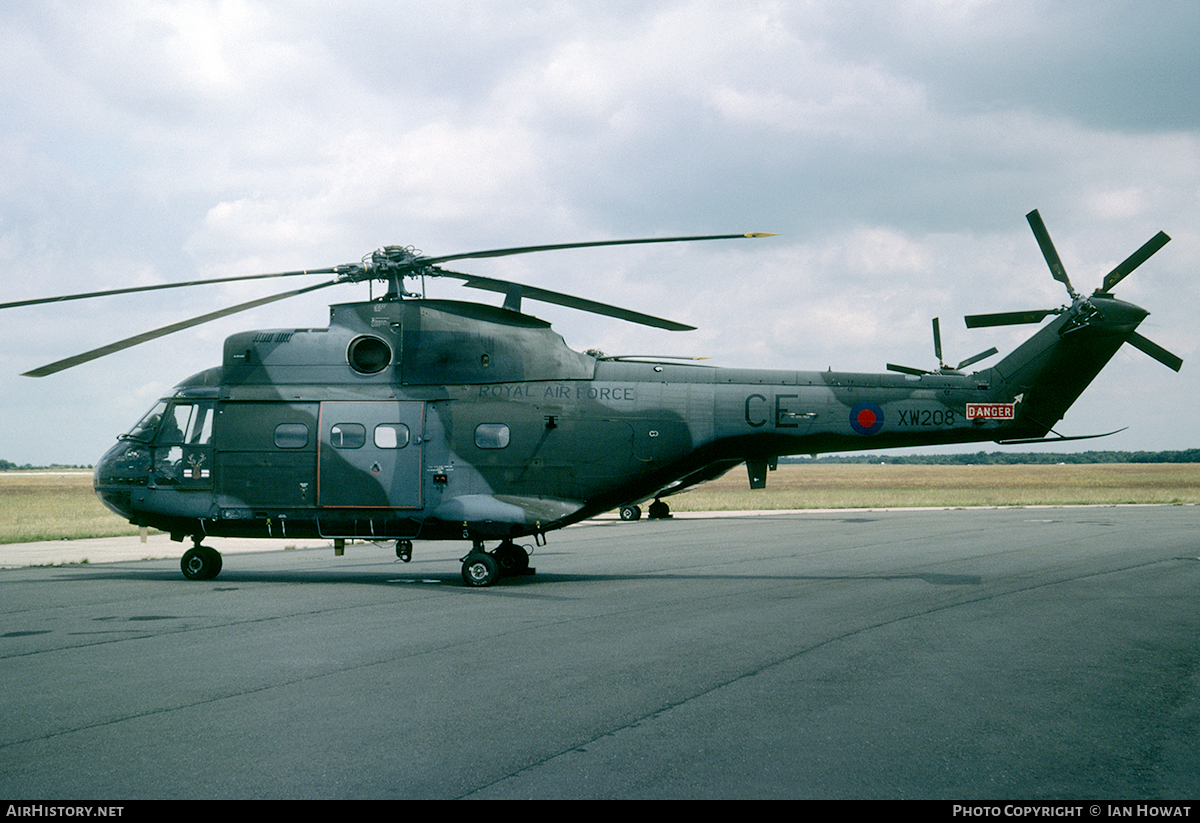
[369,355]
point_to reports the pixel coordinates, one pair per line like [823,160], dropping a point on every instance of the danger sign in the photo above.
[991,411]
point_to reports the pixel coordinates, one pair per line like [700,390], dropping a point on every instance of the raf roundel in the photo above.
[866,418]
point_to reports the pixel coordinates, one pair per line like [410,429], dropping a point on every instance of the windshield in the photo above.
[148,425]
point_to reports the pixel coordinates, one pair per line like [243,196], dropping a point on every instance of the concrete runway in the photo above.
[1037,653]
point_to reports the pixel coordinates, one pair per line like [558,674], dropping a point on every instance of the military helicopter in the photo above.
[412,418]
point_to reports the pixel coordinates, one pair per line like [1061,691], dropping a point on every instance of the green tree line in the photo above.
[9,466]
[972,458]
[1006,458]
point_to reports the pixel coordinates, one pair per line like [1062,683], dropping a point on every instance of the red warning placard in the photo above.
[991,411]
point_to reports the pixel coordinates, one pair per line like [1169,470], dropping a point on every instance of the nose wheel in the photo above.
[200,563]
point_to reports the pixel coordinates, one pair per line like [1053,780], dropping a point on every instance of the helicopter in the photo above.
[410,418]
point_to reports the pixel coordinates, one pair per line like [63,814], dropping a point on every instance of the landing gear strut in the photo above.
[200,562]
[404,550]
[483,568]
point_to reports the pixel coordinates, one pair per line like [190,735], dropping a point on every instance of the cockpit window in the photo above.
[182,423]
[187,423]
[148,425]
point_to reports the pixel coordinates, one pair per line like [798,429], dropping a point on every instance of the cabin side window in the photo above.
[391,436]
[291,435]
[491,435]
[347,436]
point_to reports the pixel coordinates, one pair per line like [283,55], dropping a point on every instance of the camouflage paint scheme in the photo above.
[434,419]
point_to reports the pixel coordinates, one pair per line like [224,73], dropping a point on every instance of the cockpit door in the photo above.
[183,448]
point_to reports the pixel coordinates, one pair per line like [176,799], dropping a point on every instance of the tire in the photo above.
[480,570]
[200,563]
[512,558]
[631,513]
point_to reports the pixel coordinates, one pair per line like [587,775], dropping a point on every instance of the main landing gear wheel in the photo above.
[480,569]
[513,559]
[631,513]
[201,563]
[659,510]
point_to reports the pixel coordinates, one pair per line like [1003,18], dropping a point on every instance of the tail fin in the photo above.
[1048,372]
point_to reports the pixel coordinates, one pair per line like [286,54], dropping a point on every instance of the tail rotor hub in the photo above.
[1100,309]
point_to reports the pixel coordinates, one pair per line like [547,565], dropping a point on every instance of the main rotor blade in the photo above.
[474,255]
[1047,247]
[132,289]
[937,340]
[907,369]
[515,291]
[1134,260]
[1010,318]
[165,330]
[970,361]
[1156,351]
[336,269]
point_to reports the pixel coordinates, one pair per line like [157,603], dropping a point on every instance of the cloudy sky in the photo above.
[894,146]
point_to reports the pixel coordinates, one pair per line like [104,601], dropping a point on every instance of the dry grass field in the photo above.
[824,486]
[54,506]
[61,506]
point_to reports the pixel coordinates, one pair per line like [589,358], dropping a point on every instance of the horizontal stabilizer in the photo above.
[1059,439]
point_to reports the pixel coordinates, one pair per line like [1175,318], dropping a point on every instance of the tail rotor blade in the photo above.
[937,340]
[1048,251]
[1156,351]
[1010,318]
[1134,260]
